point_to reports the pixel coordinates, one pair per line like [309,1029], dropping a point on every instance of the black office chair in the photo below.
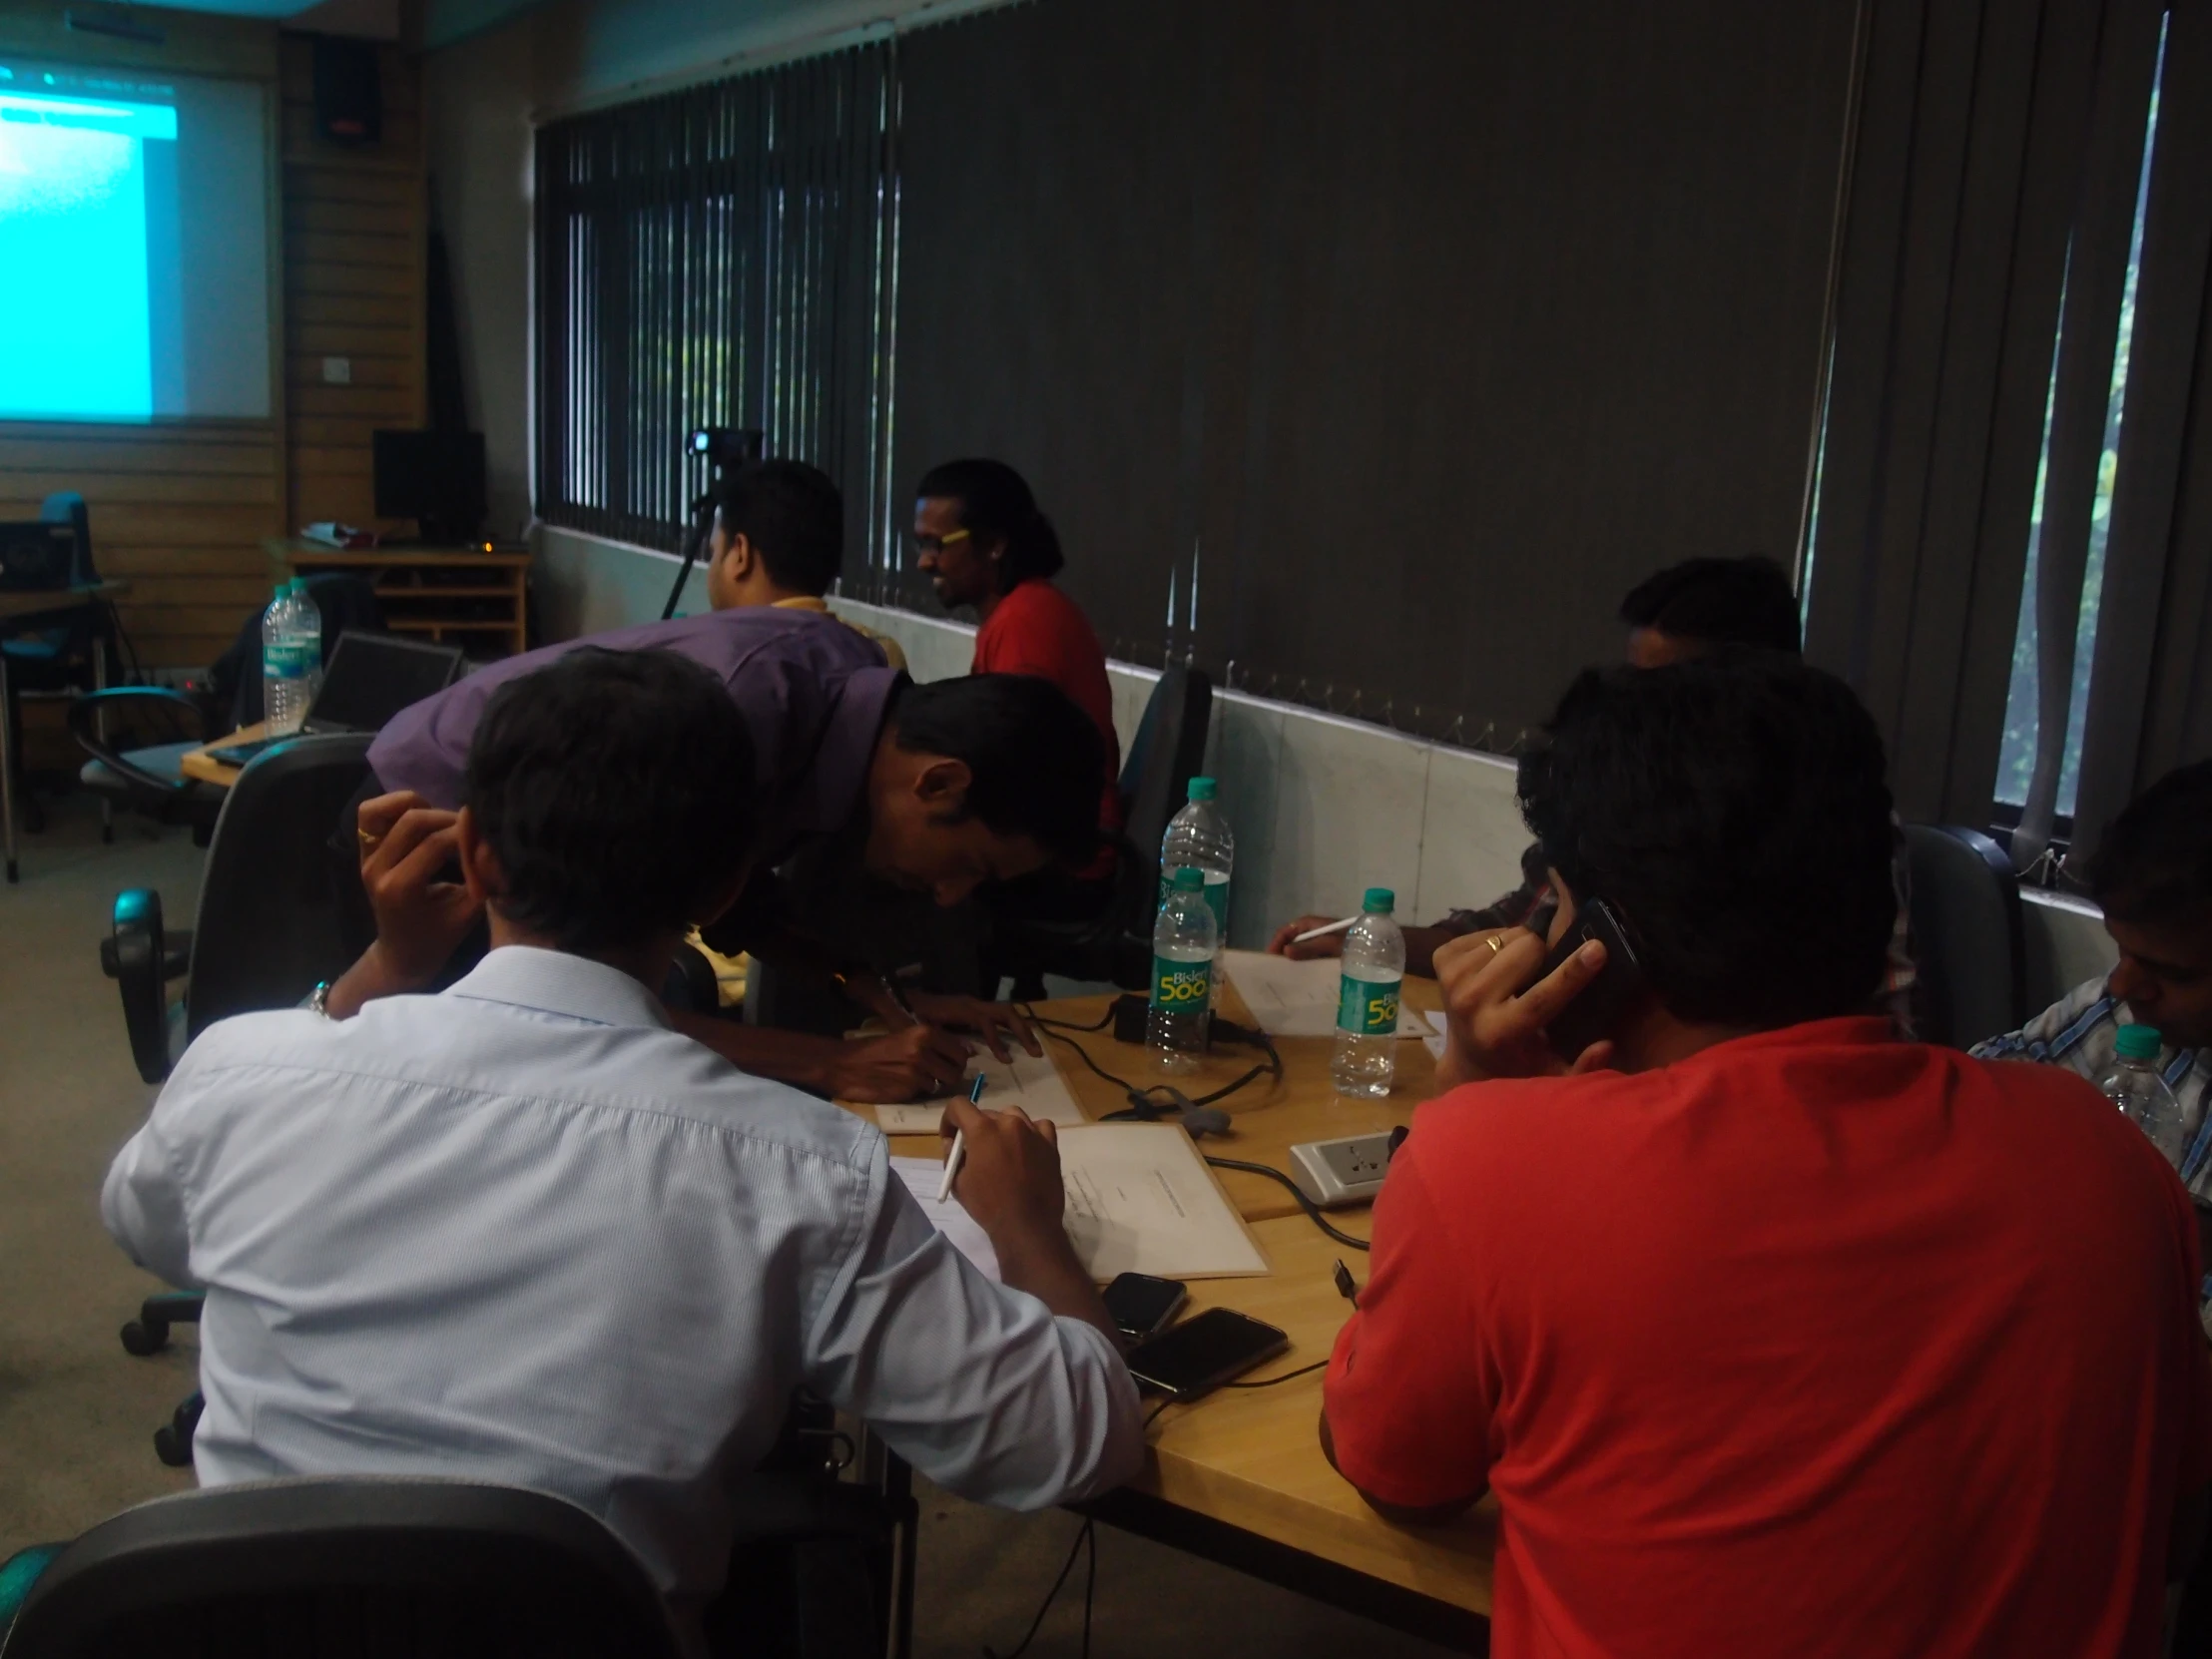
[1968,939]
[270,927]
[1116,945]
[330,1568]
[68,649]
[136,739]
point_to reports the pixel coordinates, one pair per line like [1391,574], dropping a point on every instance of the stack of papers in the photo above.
[1295,1000]
[1139,1199]
[1031,1082]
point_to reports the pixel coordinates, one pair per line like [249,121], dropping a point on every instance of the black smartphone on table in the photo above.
[1143,1305]
[1203,1351]
[1597,1009]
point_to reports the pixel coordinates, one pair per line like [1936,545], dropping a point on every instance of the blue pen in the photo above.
[959,1145]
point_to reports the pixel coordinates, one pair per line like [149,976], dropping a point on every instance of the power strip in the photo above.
[1337,1173]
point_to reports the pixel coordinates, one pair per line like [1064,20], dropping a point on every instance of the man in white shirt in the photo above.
[525,1232]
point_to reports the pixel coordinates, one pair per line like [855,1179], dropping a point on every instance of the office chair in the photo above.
[136,739]
[320,1568]
[1116,945]
[270,927]
[1969,937]
[67,648]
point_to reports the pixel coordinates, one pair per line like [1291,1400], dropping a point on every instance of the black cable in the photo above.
[1271,1066]
[1153,1416]
[1313,1210]
[1302,1371]
[1035,1018]
[1086,1536]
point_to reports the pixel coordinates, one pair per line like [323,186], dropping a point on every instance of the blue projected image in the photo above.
[75,262]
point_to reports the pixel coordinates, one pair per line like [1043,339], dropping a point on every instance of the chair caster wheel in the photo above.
[171,1448]
[143,1338]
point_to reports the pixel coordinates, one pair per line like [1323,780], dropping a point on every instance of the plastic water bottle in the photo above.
[1198,839]
[2134,1086]
[292,656]
[1183,942]
[1365,1062]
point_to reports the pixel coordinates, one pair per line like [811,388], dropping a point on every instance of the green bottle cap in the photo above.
[1379,901]
[1190,880]
[1202,788]
[2136,1043]
[298,585]
[282,590]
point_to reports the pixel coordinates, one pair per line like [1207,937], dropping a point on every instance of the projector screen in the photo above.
[134,245]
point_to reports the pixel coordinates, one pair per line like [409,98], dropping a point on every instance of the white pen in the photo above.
[960,1146]
[1325,929]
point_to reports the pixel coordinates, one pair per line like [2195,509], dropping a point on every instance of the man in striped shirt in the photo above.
[2152,874]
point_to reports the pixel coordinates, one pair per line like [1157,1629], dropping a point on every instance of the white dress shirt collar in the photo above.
[559,982]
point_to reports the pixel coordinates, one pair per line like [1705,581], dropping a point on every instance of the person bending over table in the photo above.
[932,789]
[981,541]
[778,539]
[1772,1334]
[523,1232]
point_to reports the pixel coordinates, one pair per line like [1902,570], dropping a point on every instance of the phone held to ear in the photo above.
[1597,1009]
[1143,1305]
[1203,1352]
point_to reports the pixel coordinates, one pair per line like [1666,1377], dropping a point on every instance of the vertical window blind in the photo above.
[713,258]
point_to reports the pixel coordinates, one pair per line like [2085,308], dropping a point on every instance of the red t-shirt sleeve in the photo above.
[2194,1358]
[1408,1391]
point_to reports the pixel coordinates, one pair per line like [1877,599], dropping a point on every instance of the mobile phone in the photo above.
[1200,1355]
[1598,1007]
[1143,1305]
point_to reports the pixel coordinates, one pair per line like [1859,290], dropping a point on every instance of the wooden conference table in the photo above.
[1239,1477]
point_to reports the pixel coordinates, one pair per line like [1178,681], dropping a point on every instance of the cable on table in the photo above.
[1313,1210]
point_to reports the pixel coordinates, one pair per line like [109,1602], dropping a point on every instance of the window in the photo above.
[714,258]
[2017,754]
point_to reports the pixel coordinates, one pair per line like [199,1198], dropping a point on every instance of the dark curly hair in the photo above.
[617,790]
[2155,860]
[995,505]
[1717,601]
[1733,809]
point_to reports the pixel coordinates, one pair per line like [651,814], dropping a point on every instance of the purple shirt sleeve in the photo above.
[814,694]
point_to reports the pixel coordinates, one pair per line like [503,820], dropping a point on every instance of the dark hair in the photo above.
[1718,602]
[792,513]
[2155,860]
[1036,762]
[617,790]
[1733,810]
[996,503]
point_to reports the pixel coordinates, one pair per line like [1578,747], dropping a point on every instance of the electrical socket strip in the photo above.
[1337,1173]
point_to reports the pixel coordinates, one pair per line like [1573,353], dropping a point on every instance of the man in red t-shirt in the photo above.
[982,542]
[1772,1334]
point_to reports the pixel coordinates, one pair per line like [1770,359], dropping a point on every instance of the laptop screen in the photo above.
[373,676]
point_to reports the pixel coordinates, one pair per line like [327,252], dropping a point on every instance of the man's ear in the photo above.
[480,867]
[741,556]
[943,785]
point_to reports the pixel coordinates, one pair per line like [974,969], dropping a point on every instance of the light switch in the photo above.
[338,372]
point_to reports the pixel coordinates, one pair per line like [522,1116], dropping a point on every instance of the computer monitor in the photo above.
[435,478]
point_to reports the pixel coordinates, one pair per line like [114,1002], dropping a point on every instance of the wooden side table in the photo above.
[464,595]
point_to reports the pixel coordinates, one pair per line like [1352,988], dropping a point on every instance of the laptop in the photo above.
[371,677]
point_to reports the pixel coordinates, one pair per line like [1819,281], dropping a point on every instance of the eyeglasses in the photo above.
[936,544]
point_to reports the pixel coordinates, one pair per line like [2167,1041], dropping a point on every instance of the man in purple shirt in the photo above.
[933,789]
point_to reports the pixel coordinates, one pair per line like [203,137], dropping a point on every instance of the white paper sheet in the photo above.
[1295,1000]
[1028,1081]
[921,1176]
[1138,1201]
[1436,1044]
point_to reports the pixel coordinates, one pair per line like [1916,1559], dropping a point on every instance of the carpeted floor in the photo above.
[77,1415]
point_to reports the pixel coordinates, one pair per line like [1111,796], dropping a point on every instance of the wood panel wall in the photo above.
[354,225]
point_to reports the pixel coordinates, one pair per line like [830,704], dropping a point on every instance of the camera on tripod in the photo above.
[728,447]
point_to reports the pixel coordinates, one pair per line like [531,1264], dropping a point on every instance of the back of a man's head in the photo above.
[794,517]
[1718,602]
[616,789]
[1035,761]
[1733,810]
[2154,864]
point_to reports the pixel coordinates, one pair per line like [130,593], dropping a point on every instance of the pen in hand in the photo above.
[959,1145]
